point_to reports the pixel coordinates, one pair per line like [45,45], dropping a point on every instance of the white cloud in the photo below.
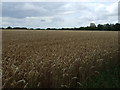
[113,9]
[67,12]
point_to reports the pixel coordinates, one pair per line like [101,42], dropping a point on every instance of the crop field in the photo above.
[57,59]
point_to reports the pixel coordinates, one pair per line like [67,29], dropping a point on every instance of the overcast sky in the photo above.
[58,14]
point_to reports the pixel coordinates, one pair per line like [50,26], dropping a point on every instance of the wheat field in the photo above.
[55,59]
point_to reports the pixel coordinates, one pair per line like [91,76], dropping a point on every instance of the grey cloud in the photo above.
[22,10]
[56,14]
[57,19]
[42,20]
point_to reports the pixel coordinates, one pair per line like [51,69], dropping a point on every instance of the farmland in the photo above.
[56,59]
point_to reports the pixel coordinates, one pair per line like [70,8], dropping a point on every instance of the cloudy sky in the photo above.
[58,14]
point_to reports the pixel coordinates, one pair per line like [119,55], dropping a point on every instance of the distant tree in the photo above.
[20,28]
[100,27]
[48,29]
[117,27]
[31,28]
[107,27]
[9,27]
[2,28]
[82,28]
[38,29]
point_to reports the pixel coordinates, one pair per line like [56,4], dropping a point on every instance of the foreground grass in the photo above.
[108,78]
[57,59]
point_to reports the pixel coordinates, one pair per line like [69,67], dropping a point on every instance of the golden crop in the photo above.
[54,59]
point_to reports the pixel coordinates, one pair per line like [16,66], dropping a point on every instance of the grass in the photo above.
[108,78]
[58,59]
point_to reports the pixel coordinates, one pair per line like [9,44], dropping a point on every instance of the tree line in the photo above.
[99,27]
